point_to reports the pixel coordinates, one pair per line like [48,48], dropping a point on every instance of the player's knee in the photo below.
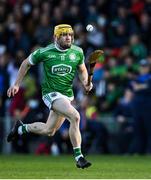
[76,117]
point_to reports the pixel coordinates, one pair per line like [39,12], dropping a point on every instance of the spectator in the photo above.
[43,33]
[19,40]
[137,48]
[4,80]
[124,117]
[145,28]
[141,110]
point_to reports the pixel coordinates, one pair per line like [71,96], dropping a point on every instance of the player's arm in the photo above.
[25,66]
[83,76]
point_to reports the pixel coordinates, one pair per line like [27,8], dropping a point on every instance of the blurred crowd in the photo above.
[115,116]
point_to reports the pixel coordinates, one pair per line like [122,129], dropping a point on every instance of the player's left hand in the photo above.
[88,87]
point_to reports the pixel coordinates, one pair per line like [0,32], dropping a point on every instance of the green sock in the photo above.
[22,129]
[77,153]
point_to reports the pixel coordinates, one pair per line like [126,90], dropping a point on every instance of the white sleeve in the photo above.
[30,60]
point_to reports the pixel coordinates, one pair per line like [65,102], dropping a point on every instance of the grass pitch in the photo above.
[63,167]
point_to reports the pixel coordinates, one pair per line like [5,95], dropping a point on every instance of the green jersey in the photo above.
[59,67]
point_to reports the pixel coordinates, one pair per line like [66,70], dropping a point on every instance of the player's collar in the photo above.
[61,50]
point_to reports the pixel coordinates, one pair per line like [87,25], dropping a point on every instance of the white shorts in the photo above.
[49,98]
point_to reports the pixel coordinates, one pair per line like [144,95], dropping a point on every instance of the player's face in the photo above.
[65,40]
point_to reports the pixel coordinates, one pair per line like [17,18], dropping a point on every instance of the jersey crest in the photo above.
[72,57]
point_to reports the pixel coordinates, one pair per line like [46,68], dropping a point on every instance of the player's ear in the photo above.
[72,38]
[54,38]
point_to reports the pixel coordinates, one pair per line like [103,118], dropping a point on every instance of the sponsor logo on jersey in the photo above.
[72,57]
[61,69]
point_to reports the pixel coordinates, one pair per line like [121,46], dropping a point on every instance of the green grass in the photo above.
[63,167]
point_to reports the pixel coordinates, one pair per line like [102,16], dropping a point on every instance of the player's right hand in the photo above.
[12,90]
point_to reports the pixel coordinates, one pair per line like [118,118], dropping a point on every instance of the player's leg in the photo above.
[74,132]
[49,128]
[72,115]
[54,121]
